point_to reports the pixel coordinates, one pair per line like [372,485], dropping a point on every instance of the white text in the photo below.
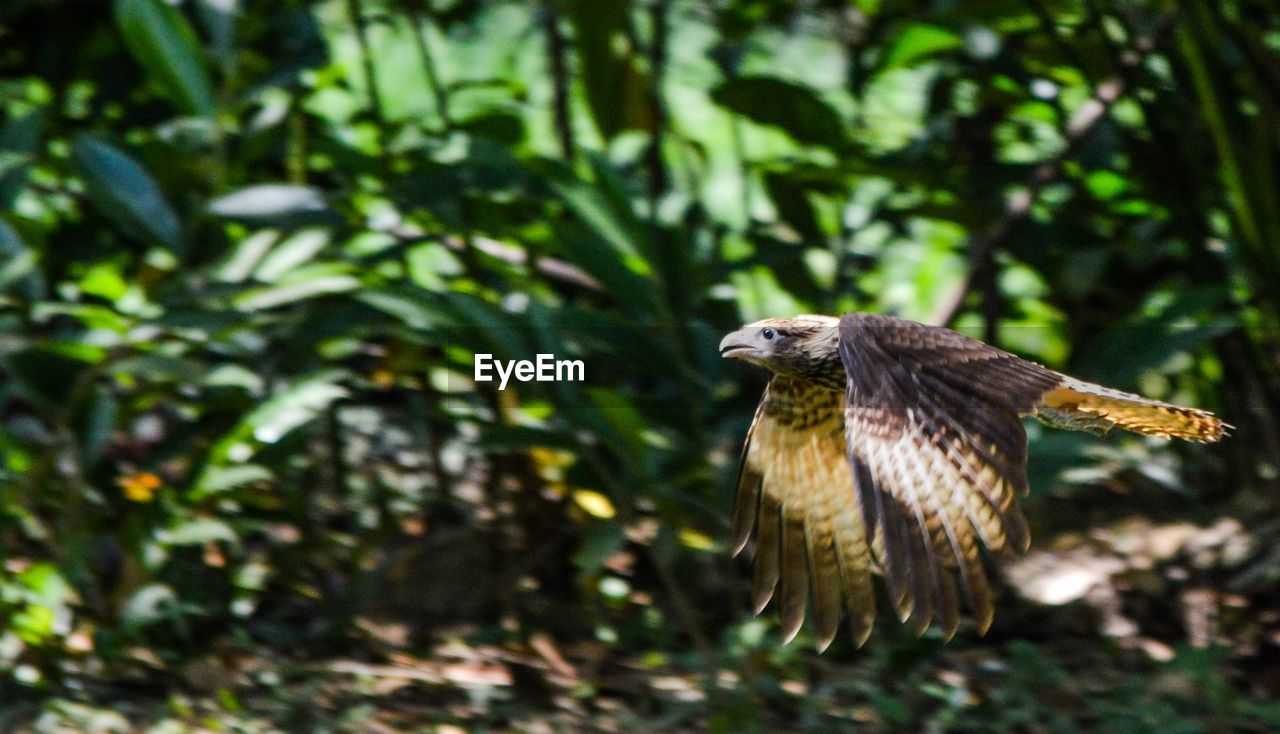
[546,368]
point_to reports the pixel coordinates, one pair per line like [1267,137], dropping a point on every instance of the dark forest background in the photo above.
[249,249]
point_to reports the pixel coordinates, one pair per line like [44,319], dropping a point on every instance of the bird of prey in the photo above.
[891,446]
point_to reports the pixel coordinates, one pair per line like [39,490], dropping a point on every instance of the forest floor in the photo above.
[1134,626]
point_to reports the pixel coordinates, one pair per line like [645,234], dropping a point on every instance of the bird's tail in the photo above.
[1080,405]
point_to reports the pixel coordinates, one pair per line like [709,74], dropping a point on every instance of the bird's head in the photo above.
[796,347]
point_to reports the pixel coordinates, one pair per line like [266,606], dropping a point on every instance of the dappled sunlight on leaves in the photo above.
[250,481]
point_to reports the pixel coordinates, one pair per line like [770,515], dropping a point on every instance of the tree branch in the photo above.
[429,65]
[366,59]
[657,69]
[983,247]
[560,80]
[552,268]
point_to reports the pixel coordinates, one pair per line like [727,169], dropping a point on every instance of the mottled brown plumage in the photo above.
[888,446]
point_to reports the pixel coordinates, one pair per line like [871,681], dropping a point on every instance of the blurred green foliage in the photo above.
[248,251]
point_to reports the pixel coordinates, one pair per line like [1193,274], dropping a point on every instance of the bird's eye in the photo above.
[768,333]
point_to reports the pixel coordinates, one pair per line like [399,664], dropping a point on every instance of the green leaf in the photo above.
[618,227]
[260,299]
[598,543]
[274,204]
[483,326]
[246,255]
[225,478]
[48,375]
[45,594]
[292,408]
[150,604]
[19,144]
[18,266]
[615,86]
[431,263]
[612,268]
[94,422]
[104,280]
[43,584]
[759,295]
[921,41]
[791,198]
[124,192]
[90,315]
[162,41]
[198,532]
[292,253]
[156,367]
[1121,354]
[622,416]
[618,253]
[416,308]
[798,110]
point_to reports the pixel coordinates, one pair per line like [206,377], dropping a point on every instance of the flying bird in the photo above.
[889,446]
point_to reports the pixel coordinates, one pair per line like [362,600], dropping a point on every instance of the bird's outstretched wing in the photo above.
[796,491]
[938,453]
[909,472]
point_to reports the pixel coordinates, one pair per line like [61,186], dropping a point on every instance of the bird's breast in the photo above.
[803,404]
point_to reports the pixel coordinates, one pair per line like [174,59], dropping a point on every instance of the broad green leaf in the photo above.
[500,127]
[621,415]
[791,198]
[48,375]
[795,109]
[19,144]
[94,422]
[45,595]
[287,411]
[284,294]
[43,584]
[225,478]
[162,41]
[90,315]
[921,41]
[759,296]
[619,229]
[33,624]
[416,308]
[274,204]
[290,409]
[156,367]
[1121,355]
[104,280]
[294,252]
[246,255]
[200,323]
[637,290]
[617,255]
[198,532]
[18,266]
[235,377]
[124,192]
[150,604]
[484,327]
[615,86]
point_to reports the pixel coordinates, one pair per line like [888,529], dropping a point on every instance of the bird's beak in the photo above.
[738,345]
